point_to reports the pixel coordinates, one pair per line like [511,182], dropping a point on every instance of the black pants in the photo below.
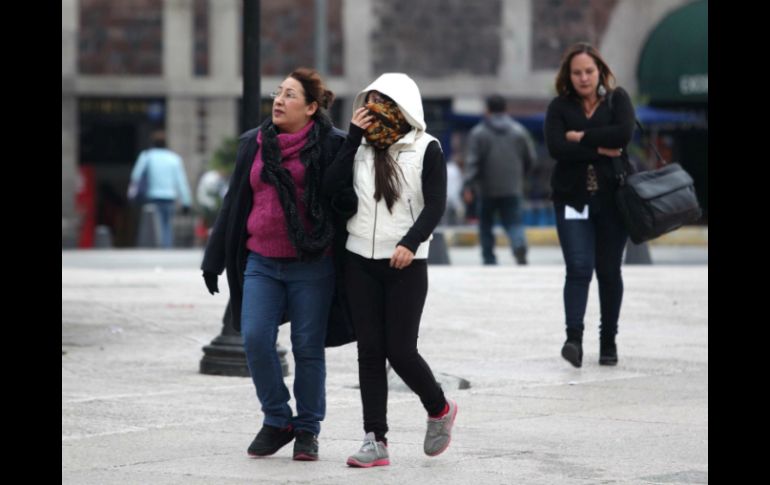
[386,305]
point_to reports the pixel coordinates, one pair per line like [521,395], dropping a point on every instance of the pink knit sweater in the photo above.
[266,226]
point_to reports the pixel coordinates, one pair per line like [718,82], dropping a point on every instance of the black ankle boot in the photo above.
[521,255]
[608,351]
[572,350]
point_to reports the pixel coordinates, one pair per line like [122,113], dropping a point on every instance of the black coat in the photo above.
[611,126]
[226,248]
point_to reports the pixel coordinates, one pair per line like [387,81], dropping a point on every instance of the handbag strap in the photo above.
[662,160]
[620,171]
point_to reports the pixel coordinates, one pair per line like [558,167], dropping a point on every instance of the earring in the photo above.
[601,90]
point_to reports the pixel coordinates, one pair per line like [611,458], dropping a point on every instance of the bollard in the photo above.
[438,253]
[102,238]
[637,253]
[149,227]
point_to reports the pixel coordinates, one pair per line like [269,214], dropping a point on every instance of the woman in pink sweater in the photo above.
[274,235]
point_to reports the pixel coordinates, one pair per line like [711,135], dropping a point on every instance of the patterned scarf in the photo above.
[388,127]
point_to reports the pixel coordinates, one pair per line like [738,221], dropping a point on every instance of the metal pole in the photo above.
[252,94]
[225,354]
[321,38]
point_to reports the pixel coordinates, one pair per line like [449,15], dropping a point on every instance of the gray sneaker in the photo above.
[372,453]
[439,432]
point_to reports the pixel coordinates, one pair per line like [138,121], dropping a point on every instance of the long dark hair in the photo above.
[387,182]
[563,82]
[387,173]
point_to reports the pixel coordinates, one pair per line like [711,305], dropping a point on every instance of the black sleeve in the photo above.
[619,133]
[339,174]
[555,132]
[434,194]
[214,255]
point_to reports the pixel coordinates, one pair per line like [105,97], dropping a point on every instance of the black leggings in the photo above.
[386,305]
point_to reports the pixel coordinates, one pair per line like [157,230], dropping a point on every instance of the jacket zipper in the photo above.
[410,210]
[374,230]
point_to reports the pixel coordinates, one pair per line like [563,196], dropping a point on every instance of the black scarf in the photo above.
[310,247]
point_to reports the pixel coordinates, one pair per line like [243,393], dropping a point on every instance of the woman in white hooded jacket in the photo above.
[398,173]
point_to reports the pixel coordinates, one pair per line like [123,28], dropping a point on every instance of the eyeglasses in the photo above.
[290,95]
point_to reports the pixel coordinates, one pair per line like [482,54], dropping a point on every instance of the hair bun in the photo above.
[327,99]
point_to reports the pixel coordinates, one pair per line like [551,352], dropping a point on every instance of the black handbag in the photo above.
[655,202]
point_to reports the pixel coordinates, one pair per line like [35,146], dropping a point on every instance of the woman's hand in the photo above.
[401,258]
[575,136]
[610,152]
[362,119]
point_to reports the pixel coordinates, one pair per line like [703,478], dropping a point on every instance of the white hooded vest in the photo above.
[374,231]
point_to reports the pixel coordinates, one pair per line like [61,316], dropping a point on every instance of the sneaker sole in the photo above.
[255,455]
[305,457]
[608,362]
[451,425]
[357,464]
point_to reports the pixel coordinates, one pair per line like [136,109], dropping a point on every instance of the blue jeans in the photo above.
[304,291]
[510,212]
[594,243]
[165,210]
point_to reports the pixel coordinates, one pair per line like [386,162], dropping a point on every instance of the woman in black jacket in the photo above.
[274,235]
[588,124]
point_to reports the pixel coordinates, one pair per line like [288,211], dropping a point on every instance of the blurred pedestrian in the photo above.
[499,153]
[159,179]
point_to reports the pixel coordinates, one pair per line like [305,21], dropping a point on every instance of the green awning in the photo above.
[674,65]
